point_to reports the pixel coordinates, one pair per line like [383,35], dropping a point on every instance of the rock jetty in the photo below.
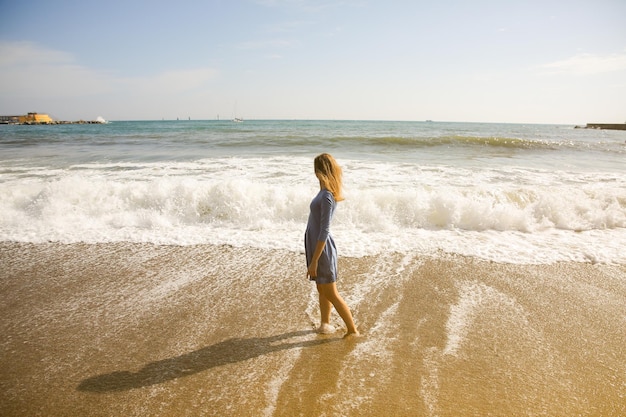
[34,118]
[608,126]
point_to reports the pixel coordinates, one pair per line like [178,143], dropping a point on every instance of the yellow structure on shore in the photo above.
[34,118]
[42,119]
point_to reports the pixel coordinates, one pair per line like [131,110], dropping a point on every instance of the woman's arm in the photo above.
[326,210]
[319,248]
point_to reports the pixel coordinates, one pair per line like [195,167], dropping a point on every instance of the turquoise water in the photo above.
[505,192]
[393,141]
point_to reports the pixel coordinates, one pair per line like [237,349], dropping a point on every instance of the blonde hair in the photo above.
[329,173]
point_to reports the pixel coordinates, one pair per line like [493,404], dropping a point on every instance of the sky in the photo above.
[505,61]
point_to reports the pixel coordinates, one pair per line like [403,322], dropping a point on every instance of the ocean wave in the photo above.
[456,140]
[157,141]
[228,202]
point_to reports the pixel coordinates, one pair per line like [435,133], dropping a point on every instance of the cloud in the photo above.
[29,70]
[25,53]
[586,64]
[286,3]
[288,27]
[170,82]
[309,6]
[265,44]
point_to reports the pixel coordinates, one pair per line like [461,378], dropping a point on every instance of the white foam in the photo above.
[429,386]
[375,349]
[473,297]
[508,215]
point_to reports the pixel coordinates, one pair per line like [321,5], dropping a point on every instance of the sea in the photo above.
[515,193]
[158,268]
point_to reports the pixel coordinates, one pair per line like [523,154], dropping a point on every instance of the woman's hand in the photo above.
[319,248]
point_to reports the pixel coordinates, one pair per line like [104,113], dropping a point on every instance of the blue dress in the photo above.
[318,229]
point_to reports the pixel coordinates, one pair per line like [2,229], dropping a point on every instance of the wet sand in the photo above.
[137,330]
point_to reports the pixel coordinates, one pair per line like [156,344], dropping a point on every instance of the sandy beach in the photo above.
[136,330]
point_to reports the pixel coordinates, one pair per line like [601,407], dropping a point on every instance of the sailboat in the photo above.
[237,119]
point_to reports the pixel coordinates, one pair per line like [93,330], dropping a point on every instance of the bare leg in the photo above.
[325,308]
[329,293]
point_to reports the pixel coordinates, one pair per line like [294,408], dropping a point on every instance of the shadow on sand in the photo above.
[223,353]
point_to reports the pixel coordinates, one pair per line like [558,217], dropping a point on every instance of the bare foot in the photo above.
[326,328]
[350,335]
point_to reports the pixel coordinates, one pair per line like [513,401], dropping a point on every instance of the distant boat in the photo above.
[235,118]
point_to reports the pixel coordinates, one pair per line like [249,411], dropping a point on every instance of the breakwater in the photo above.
[608,126]
[56,122]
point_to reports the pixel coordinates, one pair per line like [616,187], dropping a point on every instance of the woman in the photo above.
[321,253]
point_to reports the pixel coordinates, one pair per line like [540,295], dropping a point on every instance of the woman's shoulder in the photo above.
[327,195]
